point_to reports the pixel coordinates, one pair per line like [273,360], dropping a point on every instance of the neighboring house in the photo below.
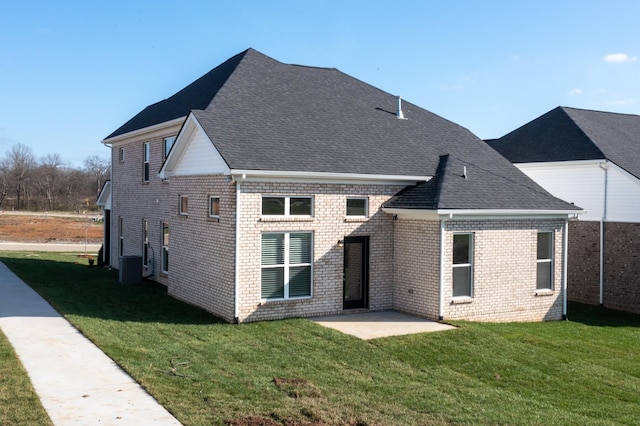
[590,158]
[265,190]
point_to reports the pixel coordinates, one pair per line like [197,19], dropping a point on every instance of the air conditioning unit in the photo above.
[130,269]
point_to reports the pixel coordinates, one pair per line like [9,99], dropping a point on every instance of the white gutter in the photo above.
[565,252]
[236,307]
[284,175]
[605,167]
[144,130]
[471,214]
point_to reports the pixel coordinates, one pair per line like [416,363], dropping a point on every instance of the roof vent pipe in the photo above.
[399,113]
[464,172]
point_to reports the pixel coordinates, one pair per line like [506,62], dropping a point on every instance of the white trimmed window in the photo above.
[145,243]
[357,207]
[287,259]
[146,156]
[214,207]
[120,236]
[167,144]
[121,155]
[184,205]
[544,261]
[287,206]
[165,248]
[462,265]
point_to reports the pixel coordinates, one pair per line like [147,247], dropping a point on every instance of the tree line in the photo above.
[48,183]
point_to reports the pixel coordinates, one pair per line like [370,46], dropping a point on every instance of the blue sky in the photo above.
[71,72]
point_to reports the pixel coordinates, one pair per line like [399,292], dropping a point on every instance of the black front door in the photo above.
[356,272]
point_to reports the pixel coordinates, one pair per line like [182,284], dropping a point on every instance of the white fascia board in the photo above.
[542,164]
[325,177]
[150,131]
[104,200]
[473,214]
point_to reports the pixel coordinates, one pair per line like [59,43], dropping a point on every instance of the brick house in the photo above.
[265,190]
[590,158]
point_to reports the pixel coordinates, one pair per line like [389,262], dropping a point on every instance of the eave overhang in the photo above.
[325,177]
[479,214]
[150,131]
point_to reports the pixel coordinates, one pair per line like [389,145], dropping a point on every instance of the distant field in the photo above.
[43,228]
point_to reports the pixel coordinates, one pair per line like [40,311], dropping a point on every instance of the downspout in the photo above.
[605,167]
[565,252]
[236,308]
[441,292]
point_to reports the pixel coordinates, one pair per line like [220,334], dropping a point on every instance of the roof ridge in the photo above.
[582,130]
[599,111]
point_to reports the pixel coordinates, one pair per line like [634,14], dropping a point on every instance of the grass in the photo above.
[294,372]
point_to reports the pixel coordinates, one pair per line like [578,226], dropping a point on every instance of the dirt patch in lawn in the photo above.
[41,228]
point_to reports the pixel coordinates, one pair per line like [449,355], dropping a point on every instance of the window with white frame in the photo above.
[120,236]
[286,206]
[462,265]
[357,207]
[286,269]
[165,248]
[146,155]
[145,243]
[214,207]
[184,205]
[544,261]
[121,154]
[167,144]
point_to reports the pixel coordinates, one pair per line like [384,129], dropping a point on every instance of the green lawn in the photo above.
[294,372]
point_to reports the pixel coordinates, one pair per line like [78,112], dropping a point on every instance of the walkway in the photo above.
[76,382]
[373,325]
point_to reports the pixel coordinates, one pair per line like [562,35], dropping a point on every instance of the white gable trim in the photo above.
[193,153]
[104,200]
[148,132]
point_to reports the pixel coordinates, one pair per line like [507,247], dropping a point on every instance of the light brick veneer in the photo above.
[135,200]
[329,225]
[504,271]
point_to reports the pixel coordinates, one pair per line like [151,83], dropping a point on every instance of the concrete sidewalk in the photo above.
[61,247]
[76,382]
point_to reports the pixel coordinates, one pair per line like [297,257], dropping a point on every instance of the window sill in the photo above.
[287,219]
[356,219]
[213,219]
[544,292]
[275,302]
[462,300]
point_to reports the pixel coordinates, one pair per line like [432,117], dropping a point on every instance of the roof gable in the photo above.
[570,134]
[193,153]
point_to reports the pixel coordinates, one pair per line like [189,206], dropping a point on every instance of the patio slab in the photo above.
[373,325]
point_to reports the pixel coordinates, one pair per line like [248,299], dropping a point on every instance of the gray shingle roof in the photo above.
[266,115]
[566,134]
[460,184]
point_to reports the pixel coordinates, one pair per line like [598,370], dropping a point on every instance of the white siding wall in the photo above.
[200,157]
[584,185]
[623,196]
[578,183]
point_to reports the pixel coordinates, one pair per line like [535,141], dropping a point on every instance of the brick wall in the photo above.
[329,225]
[504,271]
[134,200]
[202,249]
[622,266]
[416,267]
[583,272]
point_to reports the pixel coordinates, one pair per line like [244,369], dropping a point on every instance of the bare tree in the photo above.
[98,170]
[4,182]
[20,164]
[47,178]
